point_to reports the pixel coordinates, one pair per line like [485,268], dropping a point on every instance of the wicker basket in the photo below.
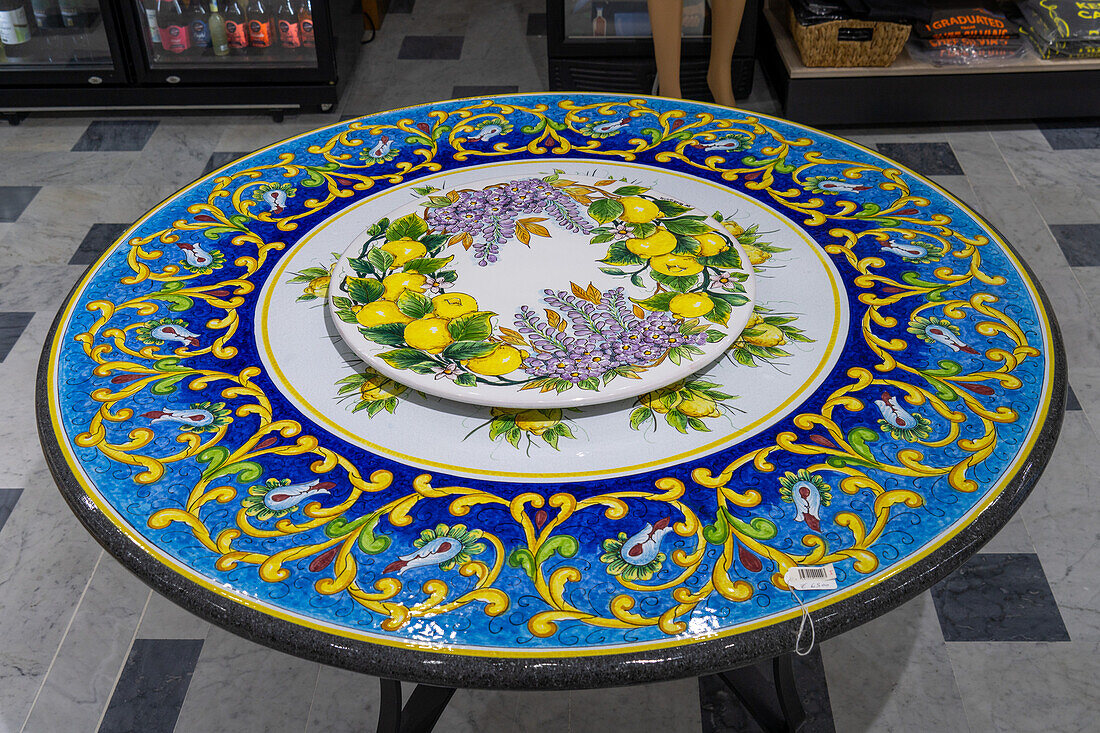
[848,42]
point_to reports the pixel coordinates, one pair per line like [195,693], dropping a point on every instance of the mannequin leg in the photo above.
[725,22]
[665,18]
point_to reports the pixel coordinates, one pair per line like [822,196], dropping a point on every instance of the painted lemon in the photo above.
[398,282]
[699,407]
[453,305]
[690,305]
[405,250]
[756,255]
[733,228]
[753,320]
[710,244]
[377,387]
[501,360]
[428,334]
[537,422]
[661,242]
[318,286]
[637,210]
[652,400]
[770,335]
[379,313]
[678,265]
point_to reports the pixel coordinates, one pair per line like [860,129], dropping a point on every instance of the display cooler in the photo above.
[109,53]
[607,45]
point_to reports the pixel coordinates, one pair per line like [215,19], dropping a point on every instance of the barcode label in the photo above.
[821,577]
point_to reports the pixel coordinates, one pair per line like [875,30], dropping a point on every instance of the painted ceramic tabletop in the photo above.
[890,402]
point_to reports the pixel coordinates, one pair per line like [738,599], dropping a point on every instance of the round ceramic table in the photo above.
[892,400]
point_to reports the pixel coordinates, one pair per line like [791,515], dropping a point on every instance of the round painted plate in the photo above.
[538,288]
[892,399]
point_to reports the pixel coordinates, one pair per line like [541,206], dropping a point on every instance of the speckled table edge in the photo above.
[563,673]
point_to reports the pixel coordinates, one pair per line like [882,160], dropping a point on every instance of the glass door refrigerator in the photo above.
[269,54]
[607,45]
[60,43]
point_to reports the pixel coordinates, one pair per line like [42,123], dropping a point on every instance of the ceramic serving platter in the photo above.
[891,399]
[538,288]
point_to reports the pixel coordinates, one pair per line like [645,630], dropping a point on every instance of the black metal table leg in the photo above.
[419,714]
[780,712]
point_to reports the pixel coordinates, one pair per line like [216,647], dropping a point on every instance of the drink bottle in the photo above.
[200,28]
[259,24]
[71,17]
[218,37]
[15,28]
[305,20]
[174,31]
[236,26]
[290,34]
[47,13]
[149,8]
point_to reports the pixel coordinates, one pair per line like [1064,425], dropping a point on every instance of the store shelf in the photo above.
[913,91]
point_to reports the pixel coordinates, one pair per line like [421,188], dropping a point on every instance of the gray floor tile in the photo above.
[163,619]
[99,237]
[1071,400]
[998,597]
[670,707]
[1089,280]
[11,328]
[1013,537]
[14,200]
[1071,134]
[929,159]
[461,92]
[115,135]
[1062,514]
[431,47]
[152,687]
[219,160]
[893,671]
[1066,204]
[45,134]
[1079,242]
[24,286]
[8,498]
[241,686]
[341,696]
[401,6]
[1027,688]
[82,677]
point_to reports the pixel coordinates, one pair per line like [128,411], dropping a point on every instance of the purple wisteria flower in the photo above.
[489,216]
[604,337]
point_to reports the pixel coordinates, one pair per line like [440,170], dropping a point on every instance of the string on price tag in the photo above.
[822,577]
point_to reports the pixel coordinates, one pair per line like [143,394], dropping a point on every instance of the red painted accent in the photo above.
[661,523]
[321,561]
[635,550]
[394,566]
[811,521]
[751,562]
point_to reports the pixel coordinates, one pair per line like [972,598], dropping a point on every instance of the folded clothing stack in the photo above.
[1063,28]
[968,32]
[812,12]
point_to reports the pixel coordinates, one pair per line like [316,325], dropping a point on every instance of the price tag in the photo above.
[819,577]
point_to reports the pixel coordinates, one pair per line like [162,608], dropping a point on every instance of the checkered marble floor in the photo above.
[1008,643]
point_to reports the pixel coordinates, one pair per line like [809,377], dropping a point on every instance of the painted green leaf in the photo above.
[371,543]
[407,227]
[605,210]
[364,290]
[686,225]
[170,364]
[759,528]
[680,284]
[380,259]
[166,386]
[413,304]
[643,229]
[412,359]
[389,334]
[471,327]
[563,544]
[671,208]
[592,384]
[468,350]
[658,302]
[521,558]
[639,416]
[629,190]
[719,532]
[728,260]
[714,336]
[858,438]
[427,265]
[618,254]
